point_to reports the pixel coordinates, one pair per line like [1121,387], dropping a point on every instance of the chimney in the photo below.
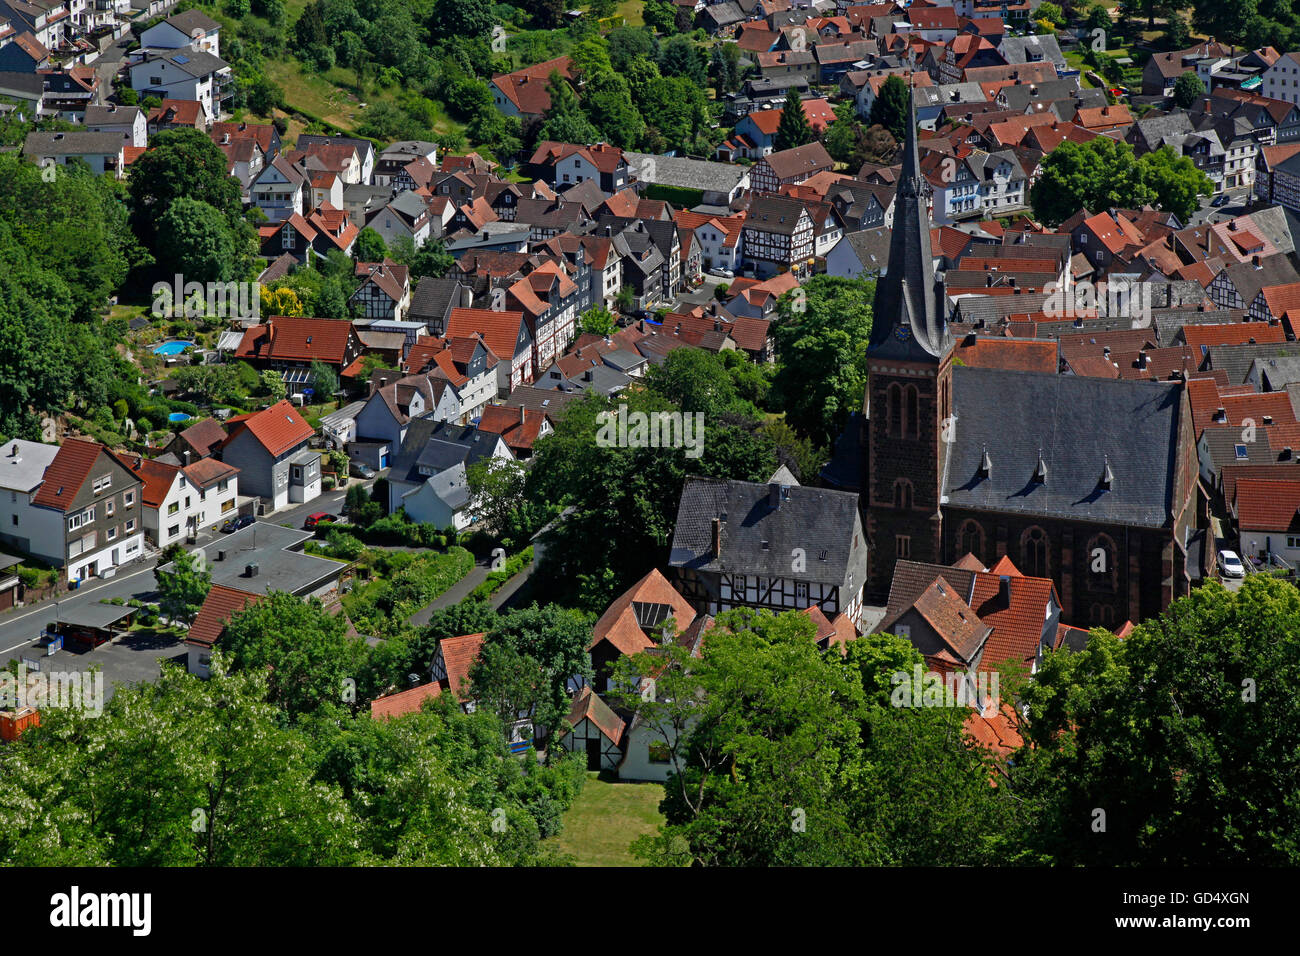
[1254,261]
[1220,414]
[1268,419]
[774,496]
[717,538]
[1004,588]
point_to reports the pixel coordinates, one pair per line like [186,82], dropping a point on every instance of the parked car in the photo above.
[1230,565]
[359,469]
[1219,200]
[234,524]
[316,518]
[722,273]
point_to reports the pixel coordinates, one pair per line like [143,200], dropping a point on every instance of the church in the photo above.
[1090,482]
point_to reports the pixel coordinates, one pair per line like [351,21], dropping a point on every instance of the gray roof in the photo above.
[686,173]
[362,146]
[26,84]
[1078,425]
[821,522]
[98,616]
[193,62]
[1279,269]
[433,299]
[26,469]
[1237,360]
[1024,49]
[451,486]
[871,247]
[908,295]
[1276,373]
[78,143]
[273,548]
[191,20]
[111,115]
[547,400]
[436,446]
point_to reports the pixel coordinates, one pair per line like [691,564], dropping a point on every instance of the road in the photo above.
[1238,200]
[133,659]
[109,62]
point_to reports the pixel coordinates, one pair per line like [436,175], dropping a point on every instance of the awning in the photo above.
[101,616]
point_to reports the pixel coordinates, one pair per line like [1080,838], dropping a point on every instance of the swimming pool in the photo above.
[178,417]
[175,347]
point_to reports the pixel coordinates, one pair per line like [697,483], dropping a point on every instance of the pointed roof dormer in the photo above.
[1040,472]
[1107,479]
[910,315]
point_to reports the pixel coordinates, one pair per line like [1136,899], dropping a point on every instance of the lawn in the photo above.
[606,818]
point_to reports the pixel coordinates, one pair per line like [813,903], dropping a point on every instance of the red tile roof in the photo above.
[405,702]
[157,476]
[587,704]
[278,428]
[518,427]
[284,338]
[618,624]
[1233,333]
[221,604]
[67,473]
[500,330]
[1024,355]
[526,88]
[1266,504]
[458,656]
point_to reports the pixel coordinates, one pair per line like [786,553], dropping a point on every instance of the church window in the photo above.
[1033,549]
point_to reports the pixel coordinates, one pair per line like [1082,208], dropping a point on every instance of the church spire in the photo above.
[910,311]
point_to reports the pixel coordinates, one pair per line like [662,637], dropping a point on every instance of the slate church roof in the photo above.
[909,305]
[1078,428]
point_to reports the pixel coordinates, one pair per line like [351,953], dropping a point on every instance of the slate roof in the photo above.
[1130,425]
[1236,360]
[818,520]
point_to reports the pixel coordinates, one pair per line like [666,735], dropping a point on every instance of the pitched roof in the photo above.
[644,606]
[458,657]
[297,339]
[526,88]
[221,604]
[278,428]
[204,436]
[1265,504]
[588,704]
[67,473]
[405,702]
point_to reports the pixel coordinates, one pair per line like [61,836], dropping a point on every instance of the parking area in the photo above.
[127,660]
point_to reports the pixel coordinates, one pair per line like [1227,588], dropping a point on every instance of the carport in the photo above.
[91,625]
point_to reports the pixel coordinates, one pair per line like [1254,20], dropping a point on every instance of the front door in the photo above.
[593,753]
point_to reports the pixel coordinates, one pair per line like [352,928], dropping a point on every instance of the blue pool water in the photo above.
[178,417]
[172,348]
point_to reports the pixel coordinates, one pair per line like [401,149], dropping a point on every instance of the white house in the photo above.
[102,152]
[190,29]
[185,74]
[181,500]
[279,190]
[127,121]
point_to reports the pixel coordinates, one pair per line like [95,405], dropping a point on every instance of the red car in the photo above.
[317,518]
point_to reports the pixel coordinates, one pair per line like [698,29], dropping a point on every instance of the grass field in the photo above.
[606,818]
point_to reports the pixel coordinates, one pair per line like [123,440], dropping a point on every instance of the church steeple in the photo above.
[910,321]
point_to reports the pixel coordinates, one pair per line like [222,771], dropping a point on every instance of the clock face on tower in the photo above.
[902,333]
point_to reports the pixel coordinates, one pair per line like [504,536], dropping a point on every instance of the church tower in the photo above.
[909,390]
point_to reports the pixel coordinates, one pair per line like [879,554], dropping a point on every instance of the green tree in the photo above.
[325,380]
[312,663]
[794,128]
[429,259]
[1188,88]
[183,587]
[370,246]
[1099,174]
[889,108]
[273,385]
[821,343]
[180,164]
[607,102]
[195,240]
[1175,181]
[1184,734]
[1052,13]
[598,321]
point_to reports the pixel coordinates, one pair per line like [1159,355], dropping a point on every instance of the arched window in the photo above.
[970,539]
[903,494]
[1034,553]
[1100,560]
[894,410]
[912,424]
